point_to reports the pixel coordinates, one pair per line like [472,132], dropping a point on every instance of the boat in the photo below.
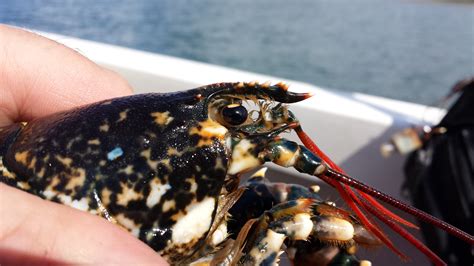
[349,127]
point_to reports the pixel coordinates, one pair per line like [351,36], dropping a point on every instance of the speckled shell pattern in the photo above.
[108,158]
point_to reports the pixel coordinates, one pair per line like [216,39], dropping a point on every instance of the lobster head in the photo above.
[252,115]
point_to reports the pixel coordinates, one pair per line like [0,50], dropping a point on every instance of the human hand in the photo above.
[39,77]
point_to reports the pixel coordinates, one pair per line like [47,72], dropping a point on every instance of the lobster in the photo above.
[167,168]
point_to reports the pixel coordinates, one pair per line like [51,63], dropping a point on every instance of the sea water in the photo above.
[408,50]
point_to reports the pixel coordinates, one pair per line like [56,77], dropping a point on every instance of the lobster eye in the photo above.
[234,114]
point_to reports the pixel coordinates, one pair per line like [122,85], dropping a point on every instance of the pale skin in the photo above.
[38,77]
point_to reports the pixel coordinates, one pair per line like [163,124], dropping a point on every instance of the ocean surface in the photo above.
[408,50]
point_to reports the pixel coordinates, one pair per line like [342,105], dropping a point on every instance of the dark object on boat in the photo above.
[440,177]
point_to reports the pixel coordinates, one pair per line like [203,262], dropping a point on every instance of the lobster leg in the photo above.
[297,220]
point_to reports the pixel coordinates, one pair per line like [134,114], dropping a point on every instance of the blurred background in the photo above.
[407,50]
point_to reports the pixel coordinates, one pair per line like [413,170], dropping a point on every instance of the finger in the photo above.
[38,231]
[39,76]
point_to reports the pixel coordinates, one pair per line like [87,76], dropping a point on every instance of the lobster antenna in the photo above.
[400,205]
[309,143]
[402,232]
[366,201]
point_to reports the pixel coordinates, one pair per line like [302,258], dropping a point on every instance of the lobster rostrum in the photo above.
[166,167]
